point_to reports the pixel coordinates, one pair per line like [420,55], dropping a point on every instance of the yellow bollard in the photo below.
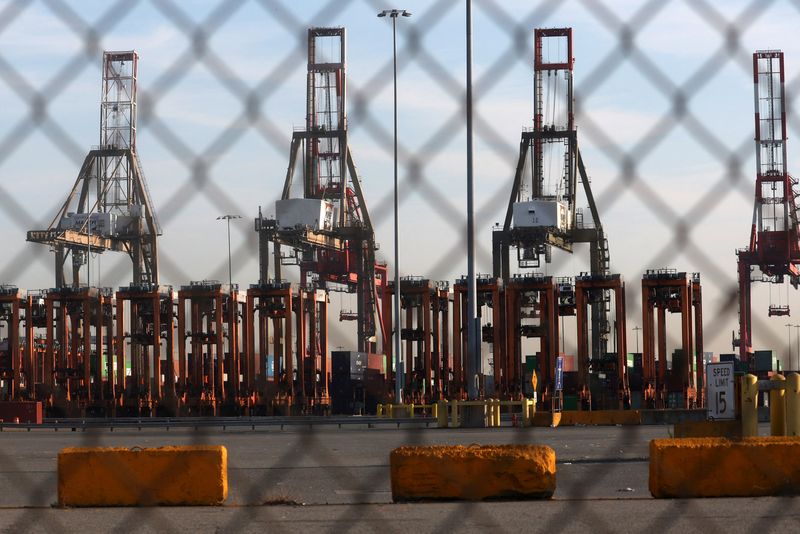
[390,411]
[777,407]
[526,412]
[749,406]
[497,412]
[435,410]
[441,414]
[411,410]
[490,404]
[454,413]
[793,404]
[380,410]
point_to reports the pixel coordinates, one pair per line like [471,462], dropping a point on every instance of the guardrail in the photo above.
[784,404]
[213,422]
[448,413]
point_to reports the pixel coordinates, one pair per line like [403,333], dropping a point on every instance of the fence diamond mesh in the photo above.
[663,93]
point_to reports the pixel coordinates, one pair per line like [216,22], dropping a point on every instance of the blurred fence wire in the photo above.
[724,28]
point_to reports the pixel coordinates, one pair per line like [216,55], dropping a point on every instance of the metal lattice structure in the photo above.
[542,213]
[109,206]
[339,253]
[774,246]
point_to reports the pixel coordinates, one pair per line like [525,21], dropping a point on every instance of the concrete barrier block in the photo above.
[719,467]
[601,417]
[191,475]
[26,412]
[473,473]
[708,429]
[547,419]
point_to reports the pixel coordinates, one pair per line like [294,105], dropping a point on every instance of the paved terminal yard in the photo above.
[332,479]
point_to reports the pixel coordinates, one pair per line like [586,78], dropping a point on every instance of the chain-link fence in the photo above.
[664,111]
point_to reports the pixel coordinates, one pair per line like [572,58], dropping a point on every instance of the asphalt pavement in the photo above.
[330,479]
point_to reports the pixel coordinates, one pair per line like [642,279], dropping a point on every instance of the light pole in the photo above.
[636,329]
[227,219]
[399,371]
[798,346]
[473,324]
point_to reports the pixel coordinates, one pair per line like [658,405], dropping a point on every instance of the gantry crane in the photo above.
[542,213]
[774,234]
[328,227]
[109,206]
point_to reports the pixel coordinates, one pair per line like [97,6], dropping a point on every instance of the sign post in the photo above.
[557,394]
[720,398]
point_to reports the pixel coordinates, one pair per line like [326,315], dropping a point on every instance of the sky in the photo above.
[205,155]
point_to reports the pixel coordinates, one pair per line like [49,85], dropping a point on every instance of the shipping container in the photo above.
[542,214]
[103,224]
[377,362]
[765,360]
[312,213]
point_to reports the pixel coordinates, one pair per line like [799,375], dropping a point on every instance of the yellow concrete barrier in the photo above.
[719,467]
[191,475]
[546,419]
[601,417]
[473,473]
[406,410]
[708,429]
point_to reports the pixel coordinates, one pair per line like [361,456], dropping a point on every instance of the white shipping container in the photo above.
[104,224]
[542,214]
[305,213]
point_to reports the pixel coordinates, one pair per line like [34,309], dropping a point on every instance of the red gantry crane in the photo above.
[541,212]
[328,227]
[774,246]
[109,207]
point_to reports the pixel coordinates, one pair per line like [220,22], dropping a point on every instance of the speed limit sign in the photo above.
[720,391]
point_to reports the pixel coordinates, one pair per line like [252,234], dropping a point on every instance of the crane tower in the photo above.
[109,206]
[328,229]
[774,246]
[542,212]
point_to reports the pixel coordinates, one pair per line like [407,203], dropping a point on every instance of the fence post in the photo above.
[793,404]
[749,402]
[777,407]
[441,414]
